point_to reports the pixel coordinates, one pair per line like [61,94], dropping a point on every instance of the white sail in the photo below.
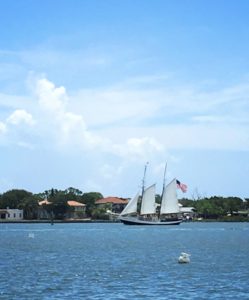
[131,207]
[169,203]
[148,201]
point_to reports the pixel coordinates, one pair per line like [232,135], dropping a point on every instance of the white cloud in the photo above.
[138,148]
[119,115]
[136,123]
[127,104]
[25,145]
[20,116]
[51,98]
[236,119]
[109,171]
[112,105]
[212,137]
[12,102]
[68,128]
[72,129]
[3,128]
[110,134]
[208,119]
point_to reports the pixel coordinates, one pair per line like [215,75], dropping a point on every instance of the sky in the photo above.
[90,91]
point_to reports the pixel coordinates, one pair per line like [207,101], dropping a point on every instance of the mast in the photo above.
[164,179]
[148,206]
[143,185]
[143,181]
[164,183]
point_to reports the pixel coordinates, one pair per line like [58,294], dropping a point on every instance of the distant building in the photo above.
[44,202]
[42,213]
[76,210]
[116,204]
[11,214]
[242,213]
[187,212]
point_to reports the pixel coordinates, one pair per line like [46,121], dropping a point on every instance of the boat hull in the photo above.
[136,221]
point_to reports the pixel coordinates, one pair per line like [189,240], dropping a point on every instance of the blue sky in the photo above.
[92,90]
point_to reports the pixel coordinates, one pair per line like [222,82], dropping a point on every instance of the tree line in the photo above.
[29,202]
[217,207]
[208,208]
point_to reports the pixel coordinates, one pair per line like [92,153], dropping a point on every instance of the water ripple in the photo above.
[113,261]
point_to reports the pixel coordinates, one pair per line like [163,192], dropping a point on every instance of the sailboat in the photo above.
[169,213]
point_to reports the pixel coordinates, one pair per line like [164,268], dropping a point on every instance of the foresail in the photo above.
[148,205]
[169,203]
[131,207]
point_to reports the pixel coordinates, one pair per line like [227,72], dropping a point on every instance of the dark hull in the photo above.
[135,221]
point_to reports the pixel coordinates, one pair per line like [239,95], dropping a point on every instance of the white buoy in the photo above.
[184,258]
[31,235]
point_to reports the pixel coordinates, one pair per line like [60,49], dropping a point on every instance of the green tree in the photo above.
[58,198]
[13,198]
[187,202]
[89,199]
[59,204]
[100,213]
[216,206]
[234,204]
[74,191]
[30,206]
[246,204]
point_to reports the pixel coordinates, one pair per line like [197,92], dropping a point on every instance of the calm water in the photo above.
[114,261]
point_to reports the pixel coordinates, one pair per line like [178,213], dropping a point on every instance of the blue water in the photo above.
[114,261]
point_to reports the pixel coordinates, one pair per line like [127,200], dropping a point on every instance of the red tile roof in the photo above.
[75,203]
[44,202]
[113,200]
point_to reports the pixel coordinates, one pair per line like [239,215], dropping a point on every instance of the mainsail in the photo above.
[169,204]
[148,201]
[131,207]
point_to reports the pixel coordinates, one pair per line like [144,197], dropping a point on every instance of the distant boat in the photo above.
[147,214]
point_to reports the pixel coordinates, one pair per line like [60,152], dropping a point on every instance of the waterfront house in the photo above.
[11,214]
[188,213]
[241,213]
[115,204]
[42,212]
[76,210]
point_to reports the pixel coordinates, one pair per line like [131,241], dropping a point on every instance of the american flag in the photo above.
[181,186]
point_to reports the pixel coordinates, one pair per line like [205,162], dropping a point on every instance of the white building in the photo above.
[187,212]
[11,214]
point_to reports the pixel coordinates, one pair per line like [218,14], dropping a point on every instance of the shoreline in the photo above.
[54,221]
[110,221]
